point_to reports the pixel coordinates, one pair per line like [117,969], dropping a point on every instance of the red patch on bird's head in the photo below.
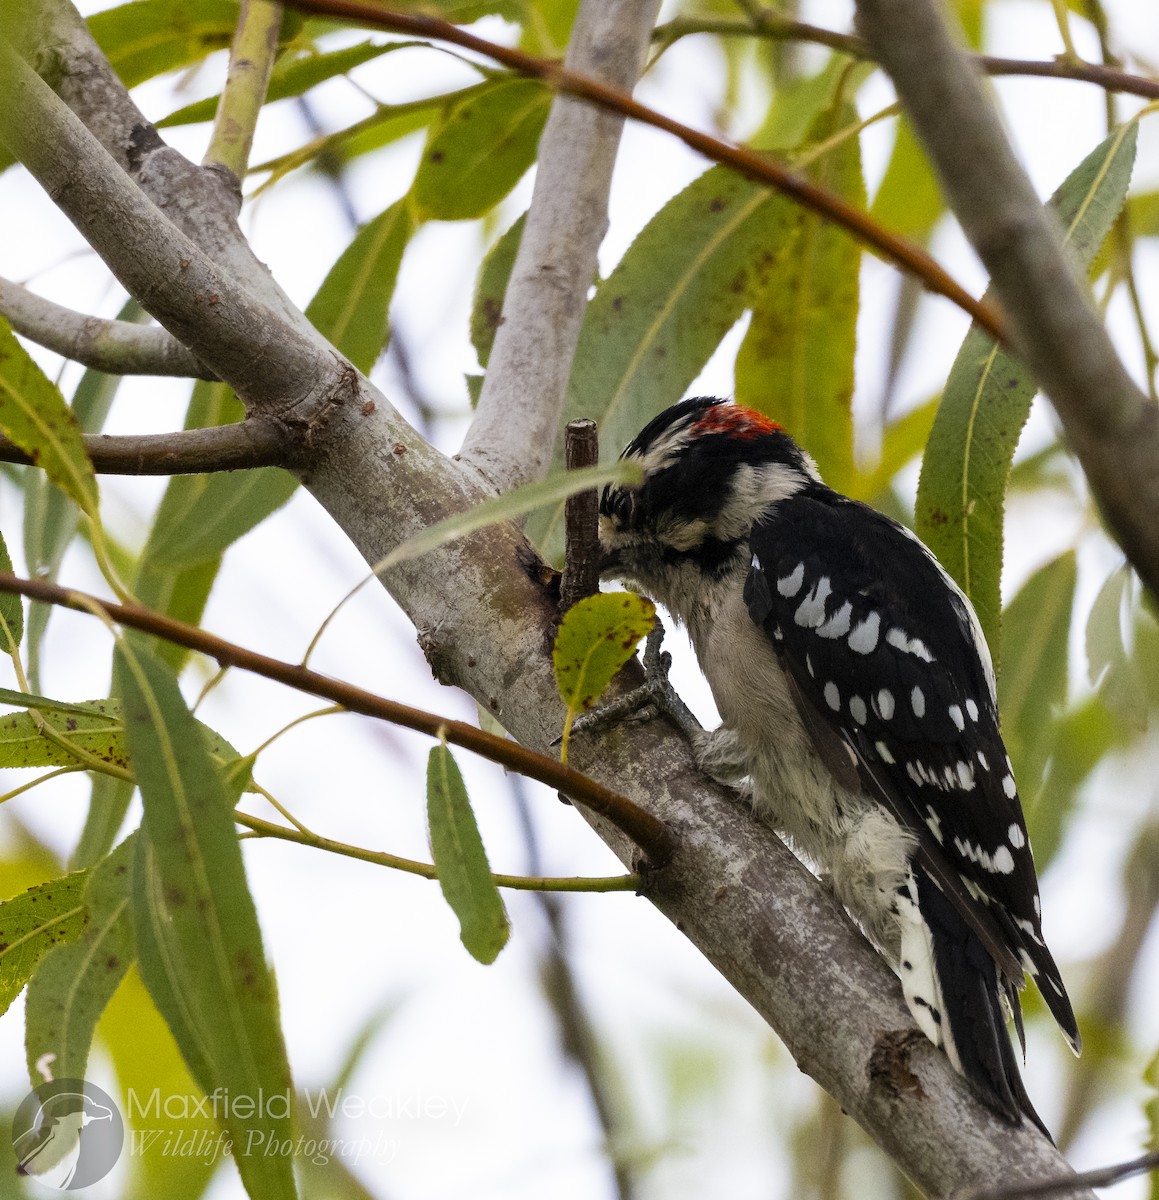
[738,422]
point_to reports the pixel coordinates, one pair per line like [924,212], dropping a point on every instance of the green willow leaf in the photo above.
[458,853]
[11,609]
[1113,670]
[596,637]
[491,287]
[49,914]
[149,37]
[226,509]
[385,125]
[351,307]
[1074,745]
[796,361]
[961,494]
[909,200]
[96,728]
[901,442]
[199,942]
[293,76]
[482,148]
[50,517]
[74,983]
[1032,688]
[659,316]
[34,415]
[200,516]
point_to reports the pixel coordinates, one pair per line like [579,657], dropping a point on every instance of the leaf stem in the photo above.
[524,883]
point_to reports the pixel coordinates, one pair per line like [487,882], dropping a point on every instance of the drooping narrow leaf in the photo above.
[1111,668]
[1074,744]
[909,199]
[352,305]
[22,744]
[198,937]
[73,984]
[481,149]
[796,361]
[901,441]
[149,1068]
[510,506]
[293,76]
[1032,687]
[109,801]
[385,125]
[149,37]
[50,517]
[961,494]
[34,415]
[659,316]
[95,727]
[491,287]
[11,609]
[49,914]
[457,850]
[199,517]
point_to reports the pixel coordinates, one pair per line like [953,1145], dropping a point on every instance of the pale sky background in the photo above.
[349,939]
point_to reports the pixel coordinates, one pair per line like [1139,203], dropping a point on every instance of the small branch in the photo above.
[645,830]
[1063,1186]
[752,165]
[1111,426]
[581,572]
[774,27]
[116,347]
[251,60]
[521,883]
[254,442]
[516,424]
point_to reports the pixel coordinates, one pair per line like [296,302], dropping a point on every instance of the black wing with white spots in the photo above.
[886,651]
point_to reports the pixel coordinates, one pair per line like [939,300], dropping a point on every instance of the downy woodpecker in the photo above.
[858,711]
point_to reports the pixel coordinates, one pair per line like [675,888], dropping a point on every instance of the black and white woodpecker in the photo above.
[859,712]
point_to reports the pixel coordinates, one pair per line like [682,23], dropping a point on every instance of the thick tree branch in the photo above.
[752,165]
[772,25]
[255,442]
[1110,425]
[117,347]
[516,423]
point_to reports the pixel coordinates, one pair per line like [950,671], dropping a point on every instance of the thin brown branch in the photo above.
[651,835]
[775,27]
[581,574]
[1063,1186]
[254,442]
[116,347]
[750,164]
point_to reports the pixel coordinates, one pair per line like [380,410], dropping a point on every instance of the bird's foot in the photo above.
[655,697]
